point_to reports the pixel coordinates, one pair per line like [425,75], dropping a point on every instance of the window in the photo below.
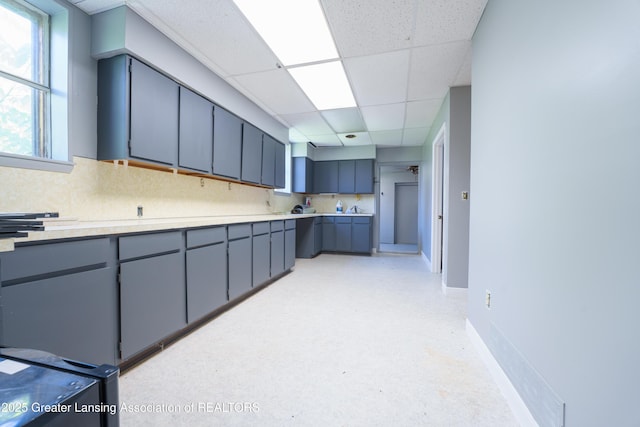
[24,80]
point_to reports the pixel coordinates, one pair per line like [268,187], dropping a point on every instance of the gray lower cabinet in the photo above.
[277,248]
[361,234]
[317,232]
[206,267]
[240,275]
[46,305]
[152,289]
[227,144]
[328,233]
[196,132]
[261,253]
[289,244]
[306,238]
[343,234]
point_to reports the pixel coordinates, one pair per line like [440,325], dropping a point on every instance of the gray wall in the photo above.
[455,115]
[554,225]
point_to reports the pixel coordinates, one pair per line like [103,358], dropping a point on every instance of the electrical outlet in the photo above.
[487,298]
[139,211]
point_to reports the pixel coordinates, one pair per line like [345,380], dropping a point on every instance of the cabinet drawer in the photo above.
[343,220]
[290,224]
[238,231]
[328,220]
[260,228]
[148,244]
[317,220]
[361,220]
[277,225]
[206,236]
[28,261]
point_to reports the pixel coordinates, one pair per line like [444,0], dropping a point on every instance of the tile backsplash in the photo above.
[98,191]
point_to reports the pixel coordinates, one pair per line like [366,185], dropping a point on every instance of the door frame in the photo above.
[437,200]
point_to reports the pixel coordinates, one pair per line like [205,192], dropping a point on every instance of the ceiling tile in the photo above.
[308,123]
[434,69]
[464,74]
[415,136]
[442,21]
[365,27]
[384,117]
[96,6]
[344,120]
[379,79]
[214,31]
[421,113]
[387,137]
[276,89]
[362,138]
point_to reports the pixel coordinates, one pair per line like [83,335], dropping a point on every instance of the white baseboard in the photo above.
[519,409]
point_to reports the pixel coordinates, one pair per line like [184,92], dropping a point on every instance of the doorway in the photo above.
[406,214]
[398,208]
[437,215]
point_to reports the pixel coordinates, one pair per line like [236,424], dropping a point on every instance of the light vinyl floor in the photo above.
[341,341]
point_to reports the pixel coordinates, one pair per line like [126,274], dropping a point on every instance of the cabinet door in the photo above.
[277,253]
[261,259]
[289,248]
[154,115]
[239,267]
[346,176]
[343,234]
[325,179]
[206,280]
[364,176]
[302,180]
[268,161]
[280,173]
[317,240]
[304,238]
[251,153]
[196,131]
[328,234]
[73,316]
[227,144]
[152,301]
[361,235]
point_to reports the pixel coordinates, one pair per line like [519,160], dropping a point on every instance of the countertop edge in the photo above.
[82,229]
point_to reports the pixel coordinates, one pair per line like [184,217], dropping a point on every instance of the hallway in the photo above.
[342,340]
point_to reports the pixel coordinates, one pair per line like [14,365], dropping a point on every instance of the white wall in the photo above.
[554,223]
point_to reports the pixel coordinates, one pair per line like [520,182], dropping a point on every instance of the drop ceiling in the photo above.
[401,57]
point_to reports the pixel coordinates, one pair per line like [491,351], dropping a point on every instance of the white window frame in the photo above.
[58,158]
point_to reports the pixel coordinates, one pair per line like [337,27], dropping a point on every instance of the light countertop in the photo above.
[62,228]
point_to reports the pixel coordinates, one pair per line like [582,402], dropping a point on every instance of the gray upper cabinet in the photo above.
[251,153]
[137,112]
[346,176]
[302,169]
[364,176]
[227,144]
[268,161]
[325,178]
[280,173]
[196,131]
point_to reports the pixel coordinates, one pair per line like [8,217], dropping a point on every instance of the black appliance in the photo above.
[40,389]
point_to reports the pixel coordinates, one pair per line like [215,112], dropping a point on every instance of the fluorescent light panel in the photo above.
[325,84]
[295,30]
